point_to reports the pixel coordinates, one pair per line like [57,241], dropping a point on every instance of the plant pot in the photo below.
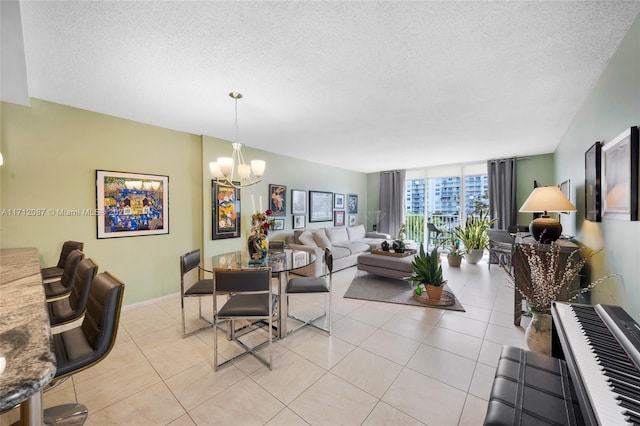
[473,256]
[454,261]
[538,333]
[434,292]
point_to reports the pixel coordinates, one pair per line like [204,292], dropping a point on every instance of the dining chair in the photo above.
[53,273]
[249,297]
[63,286]
[87,344]
[501,246]
[192,284]
[69,309]
[313,285]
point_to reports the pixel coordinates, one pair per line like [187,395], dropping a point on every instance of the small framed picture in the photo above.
[592,182]
[352,203]
[278,224]
[298,201]
[298,222]
[320,206]
[565,188]
[278,199]
[338,201]
[620,176]
[299,258]
[338,218]
[353,219]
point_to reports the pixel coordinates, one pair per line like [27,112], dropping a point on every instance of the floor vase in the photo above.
[538,333]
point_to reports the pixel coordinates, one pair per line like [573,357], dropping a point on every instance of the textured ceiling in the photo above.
[365,86]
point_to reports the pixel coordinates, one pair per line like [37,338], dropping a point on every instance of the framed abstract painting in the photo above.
[225,212]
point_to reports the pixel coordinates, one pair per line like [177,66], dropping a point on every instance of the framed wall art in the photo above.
[278,199]
[565,188]
[352,203]
[320,206]
[131,204]
[338,201]
[278,224]
[298,222]
[592,177]
[298,201]
[353,219]
[620,176]
[338,218]
[225,211]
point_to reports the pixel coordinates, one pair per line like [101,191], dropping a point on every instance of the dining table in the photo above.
[280,262]
[25,335]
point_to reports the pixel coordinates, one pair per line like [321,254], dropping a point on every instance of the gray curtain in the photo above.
[502,191]
[392,201]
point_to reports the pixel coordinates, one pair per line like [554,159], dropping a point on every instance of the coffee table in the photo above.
[386,265]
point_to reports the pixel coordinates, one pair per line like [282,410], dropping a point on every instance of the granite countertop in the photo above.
[25,333]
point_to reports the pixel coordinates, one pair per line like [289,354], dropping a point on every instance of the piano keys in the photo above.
[601,347]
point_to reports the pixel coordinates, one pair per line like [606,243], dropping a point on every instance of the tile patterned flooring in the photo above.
[385,364]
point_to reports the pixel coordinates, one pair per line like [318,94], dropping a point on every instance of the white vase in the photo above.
[473,256]
[538,333]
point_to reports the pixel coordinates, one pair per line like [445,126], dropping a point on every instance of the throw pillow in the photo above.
[322,240]
[306,238]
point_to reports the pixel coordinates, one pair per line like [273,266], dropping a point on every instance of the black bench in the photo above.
[531,388]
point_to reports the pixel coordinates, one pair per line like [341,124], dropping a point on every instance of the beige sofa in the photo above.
[346,244]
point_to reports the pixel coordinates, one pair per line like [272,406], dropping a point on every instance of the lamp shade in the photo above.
[542,200]
[547,199]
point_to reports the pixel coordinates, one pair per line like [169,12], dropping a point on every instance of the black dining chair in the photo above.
[83,346]
[69,309]
[192,284]
[55,272]
[249,298]
[314,285]
[63,286]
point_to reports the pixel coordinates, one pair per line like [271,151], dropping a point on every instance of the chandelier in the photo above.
[224,170]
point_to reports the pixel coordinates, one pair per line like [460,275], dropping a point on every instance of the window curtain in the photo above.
[392,201]
[502,180]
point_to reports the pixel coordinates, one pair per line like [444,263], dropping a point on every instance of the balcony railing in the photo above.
[416,225]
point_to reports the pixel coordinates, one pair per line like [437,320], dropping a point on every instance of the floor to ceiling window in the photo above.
[443,197]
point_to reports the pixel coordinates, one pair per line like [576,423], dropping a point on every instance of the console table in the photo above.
[522,272]
[25,335]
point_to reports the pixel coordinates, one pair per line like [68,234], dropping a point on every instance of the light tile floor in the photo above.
[385,364]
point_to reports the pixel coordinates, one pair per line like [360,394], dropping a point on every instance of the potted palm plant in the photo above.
[427,272]
[474,236]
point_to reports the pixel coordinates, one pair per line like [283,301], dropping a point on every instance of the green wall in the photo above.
[612,107]
[51,155]
[539,168]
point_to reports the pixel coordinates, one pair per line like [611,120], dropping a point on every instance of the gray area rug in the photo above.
[390,290]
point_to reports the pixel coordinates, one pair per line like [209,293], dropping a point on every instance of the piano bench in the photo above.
[531,388]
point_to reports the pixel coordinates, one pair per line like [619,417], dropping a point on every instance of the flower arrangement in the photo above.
[261,223]
[453,247]
[550,281]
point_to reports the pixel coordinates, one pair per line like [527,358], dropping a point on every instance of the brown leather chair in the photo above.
[63,286]
[71,308]
[55,272]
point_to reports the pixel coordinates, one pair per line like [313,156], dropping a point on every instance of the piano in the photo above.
[601,347]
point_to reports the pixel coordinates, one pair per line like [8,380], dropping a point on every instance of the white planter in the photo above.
[474,256]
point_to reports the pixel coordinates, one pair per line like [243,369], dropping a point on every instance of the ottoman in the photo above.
[387,266]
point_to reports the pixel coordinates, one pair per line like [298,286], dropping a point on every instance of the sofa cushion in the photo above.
[321,240]
[306,238]
[356,232]
[337,234]
[340,252]
[354,247]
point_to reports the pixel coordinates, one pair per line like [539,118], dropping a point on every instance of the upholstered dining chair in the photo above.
[53,273]
[83,346]
[192,284]
[249,298]
[69,309]
[313,285]
[501,246]
[64,286]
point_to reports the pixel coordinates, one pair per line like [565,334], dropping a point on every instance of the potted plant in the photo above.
[427,272]
[454,253]
[474,236]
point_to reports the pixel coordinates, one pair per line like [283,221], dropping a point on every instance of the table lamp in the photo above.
[546,199]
